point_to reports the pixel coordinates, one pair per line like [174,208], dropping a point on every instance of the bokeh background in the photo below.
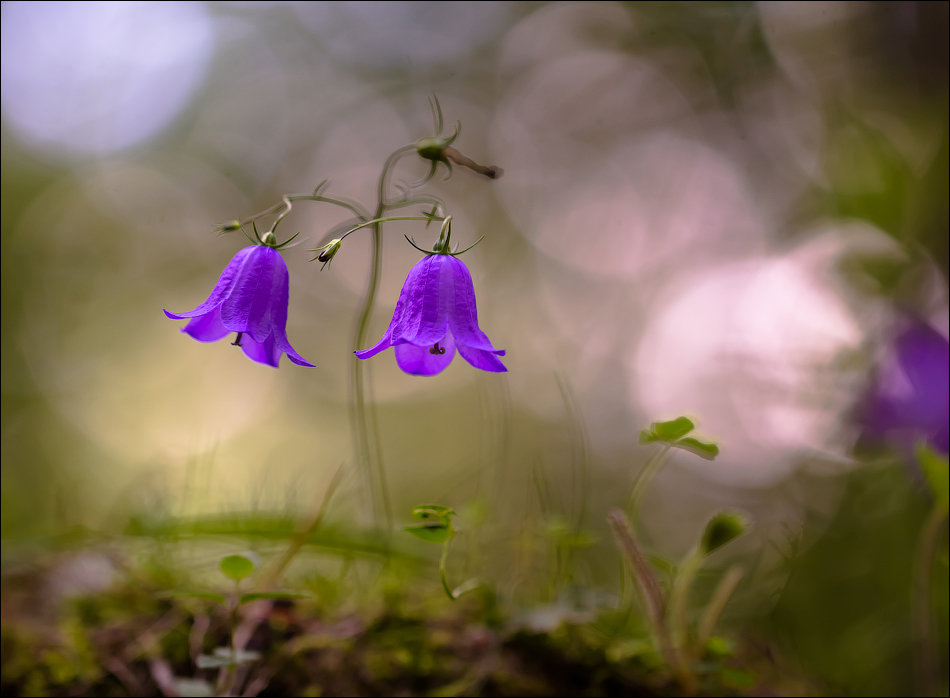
[715,209]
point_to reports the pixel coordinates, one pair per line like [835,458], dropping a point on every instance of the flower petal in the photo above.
[268,311]
[250,287]
[480,358]
[222,289]
[251,298]
[205,328]
[421,361]
[294,356]
[424,303]
[464,314]
[266,352]
[382,345]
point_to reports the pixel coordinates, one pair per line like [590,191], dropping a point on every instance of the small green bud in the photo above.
[722,528]
[229,227]
[328,251]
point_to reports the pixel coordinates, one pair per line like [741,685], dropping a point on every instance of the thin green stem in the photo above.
[679,598]
[644,478]
[707,624]
[923,573]
[364,413]
[286,203]
[442,574]
[377,221]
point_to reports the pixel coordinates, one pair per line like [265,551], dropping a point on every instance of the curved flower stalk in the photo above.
[435,315]
[250,299]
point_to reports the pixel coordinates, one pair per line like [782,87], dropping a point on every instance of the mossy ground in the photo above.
[124,634]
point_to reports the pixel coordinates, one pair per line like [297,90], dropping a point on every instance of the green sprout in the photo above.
[435,525]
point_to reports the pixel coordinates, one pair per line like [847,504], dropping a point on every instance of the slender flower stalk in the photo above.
[363,412]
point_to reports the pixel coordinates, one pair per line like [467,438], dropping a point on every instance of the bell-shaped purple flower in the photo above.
[436,315]
[250,299]
[909,400]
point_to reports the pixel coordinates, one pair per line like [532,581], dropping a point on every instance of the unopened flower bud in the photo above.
[230,226]
[328,251]
[721,529]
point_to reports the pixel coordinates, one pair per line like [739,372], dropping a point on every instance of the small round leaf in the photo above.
[237,567]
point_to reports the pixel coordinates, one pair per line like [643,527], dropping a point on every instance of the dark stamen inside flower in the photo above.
[436,349]
[237,340]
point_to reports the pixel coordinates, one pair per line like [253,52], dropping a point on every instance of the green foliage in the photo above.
[667,431]
[237,567]
[722,528]
[674,434]
[709,451]
[937,473]
[435,523]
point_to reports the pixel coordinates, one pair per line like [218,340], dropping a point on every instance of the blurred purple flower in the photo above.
[908,400]
[436,314]
[251,299]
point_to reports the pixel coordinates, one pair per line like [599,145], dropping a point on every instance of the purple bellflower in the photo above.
[909,400]
[250,299]
[435,315]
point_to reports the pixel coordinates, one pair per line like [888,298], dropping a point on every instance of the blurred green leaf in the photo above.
[742,679]
[699,448]
[206,595]
[271,595]
[434,532]
[237,567]
[674,429]
[722,528]
[340,539]
[432,511]
[436,526]
[937,473]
